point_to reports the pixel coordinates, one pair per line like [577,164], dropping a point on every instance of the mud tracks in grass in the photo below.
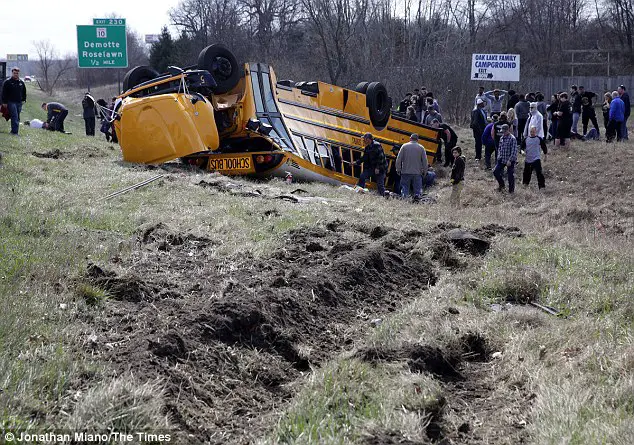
[229,336]
[474,407]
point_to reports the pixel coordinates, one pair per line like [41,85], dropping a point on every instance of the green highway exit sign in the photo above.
[102,46]
[109,22]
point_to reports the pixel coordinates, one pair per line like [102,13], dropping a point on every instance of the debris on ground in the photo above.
[53,154]
[243,190]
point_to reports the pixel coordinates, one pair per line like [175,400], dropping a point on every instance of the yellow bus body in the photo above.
[316,133]
[160,128]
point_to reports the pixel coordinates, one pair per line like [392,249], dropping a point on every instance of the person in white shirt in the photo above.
[483,98]
[35,123]
[535,119]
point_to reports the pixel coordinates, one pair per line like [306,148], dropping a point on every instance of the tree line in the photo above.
[402,43]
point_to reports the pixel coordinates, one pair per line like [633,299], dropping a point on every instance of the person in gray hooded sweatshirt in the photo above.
[411,165]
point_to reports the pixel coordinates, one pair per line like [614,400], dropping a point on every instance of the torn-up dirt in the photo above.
[250,192]
[229,337]
[53,154]
[472,411]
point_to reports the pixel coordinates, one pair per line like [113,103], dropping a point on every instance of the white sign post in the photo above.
[495,67]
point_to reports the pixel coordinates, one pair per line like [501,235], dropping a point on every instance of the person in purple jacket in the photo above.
[489,142]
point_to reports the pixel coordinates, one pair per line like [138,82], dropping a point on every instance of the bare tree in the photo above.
[52,68]
[267,20]
[336,22]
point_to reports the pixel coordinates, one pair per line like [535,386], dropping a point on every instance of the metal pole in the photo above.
[118,82]
[608,63]
[572,66]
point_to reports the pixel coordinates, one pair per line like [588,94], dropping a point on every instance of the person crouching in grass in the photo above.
[457,177]
[533,146]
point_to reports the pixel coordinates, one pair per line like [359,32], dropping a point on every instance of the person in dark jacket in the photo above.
[626,103]
[478,124]
[607,98]
[513,99]
[402,106]
[13,95]
[450,139]
[88,104]
[587,109]
[552,115]
[564,121]
[56,113]
[374,164]
[410,111]
[457,177]
[418,104]
[575,102]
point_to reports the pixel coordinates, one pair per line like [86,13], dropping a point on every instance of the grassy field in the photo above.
[199,308]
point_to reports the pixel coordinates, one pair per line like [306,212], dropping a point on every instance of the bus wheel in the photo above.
[362,87]
[222,64]
[138,75]
[378,104]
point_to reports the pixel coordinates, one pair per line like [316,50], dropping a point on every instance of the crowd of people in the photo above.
[529,122]
[504,123]
[559,117]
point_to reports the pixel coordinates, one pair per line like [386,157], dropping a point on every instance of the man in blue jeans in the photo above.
[411,164]
[507,157]
[13,95]
[374,164]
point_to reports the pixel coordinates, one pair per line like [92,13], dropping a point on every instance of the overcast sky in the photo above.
[23,22]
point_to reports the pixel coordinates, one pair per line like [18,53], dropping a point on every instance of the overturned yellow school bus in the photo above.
[240,120]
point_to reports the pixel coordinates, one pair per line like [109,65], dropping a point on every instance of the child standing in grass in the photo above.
[457,177]
[533,145]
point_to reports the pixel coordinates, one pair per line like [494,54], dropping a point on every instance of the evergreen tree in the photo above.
[163,53]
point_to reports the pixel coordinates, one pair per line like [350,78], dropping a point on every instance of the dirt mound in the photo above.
[442,364]
[228,339]
[490,230]
[53,154]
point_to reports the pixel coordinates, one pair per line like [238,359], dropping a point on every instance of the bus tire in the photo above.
[138,75]
[362,87]
[378,104]
[222,65]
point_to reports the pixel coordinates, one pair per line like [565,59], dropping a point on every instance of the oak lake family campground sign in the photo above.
[102,44]
[495,67]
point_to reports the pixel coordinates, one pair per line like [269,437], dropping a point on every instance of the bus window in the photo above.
[336,157]
[257,95]
[268,93]
[281,131]
[312,151]
[346,157]
[356,155]
[324,154]
[300,145]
